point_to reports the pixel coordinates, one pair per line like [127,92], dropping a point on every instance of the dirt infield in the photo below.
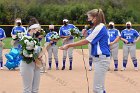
[75,81]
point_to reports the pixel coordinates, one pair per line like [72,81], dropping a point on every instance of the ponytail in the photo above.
[98,13]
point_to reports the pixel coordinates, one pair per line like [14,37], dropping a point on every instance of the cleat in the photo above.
[116,69]
[90,69]
[70,68]
[63,68]
[124,68]
[136,68]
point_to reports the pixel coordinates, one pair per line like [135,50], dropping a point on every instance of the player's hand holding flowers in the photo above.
[30,50]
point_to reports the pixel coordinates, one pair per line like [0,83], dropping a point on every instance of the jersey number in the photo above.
[128,37]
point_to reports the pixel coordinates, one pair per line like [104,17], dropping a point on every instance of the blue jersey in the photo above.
[65,30]
[2,33]
[18,29]
[99,39]
[113,34]
[89,32]
[129,35]
[48,37]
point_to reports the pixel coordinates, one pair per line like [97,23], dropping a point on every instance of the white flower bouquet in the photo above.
[30,49]
[75,32]
[18,36]
[54,36]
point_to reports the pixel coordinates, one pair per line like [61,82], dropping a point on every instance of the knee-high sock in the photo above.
[135,63]
[56,62]
[116,63]
[90,61]
[64,61]
[124,63]
[50,62]
[70,59]
[1,64]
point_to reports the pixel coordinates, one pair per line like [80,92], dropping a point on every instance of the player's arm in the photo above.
[124,40]
[45,47]
[4,35]
[13,34]
[78,43]
[117,38]
[138,37]
[65,36]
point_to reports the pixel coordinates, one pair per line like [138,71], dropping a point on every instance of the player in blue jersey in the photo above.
[114,45]
[2,37]
[53,48]
[86,33]
[65,34]
[129,36]
[17,29]
[99,39]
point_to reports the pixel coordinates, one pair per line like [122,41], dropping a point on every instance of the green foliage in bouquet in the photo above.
[29,50]
[42,32]
[54,36]
[19,36]
[75,32]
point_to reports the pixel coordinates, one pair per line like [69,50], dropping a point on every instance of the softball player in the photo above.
[17,28]
[53,48]
[114,45]
[129,36]
[99,40]
[86,33]
[29,72]
[2,37]
[64,33]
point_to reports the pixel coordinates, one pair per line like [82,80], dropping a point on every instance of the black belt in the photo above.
[129,43]
[99,55]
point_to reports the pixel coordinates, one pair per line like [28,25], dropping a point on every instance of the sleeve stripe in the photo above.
[95,32]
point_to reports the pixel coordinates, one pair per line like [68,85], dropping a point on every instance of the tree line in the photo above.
[54,11]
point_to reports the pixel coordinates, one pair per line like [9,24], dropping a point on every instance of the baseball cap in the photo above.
[128,23]
[111,23]
[65,20]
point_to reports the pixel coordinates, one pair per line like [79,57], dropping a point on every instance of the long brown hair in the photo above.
[98,13]
[32,21]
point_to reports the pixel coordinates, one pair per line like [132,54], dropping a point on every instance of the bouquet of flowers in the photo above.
[18,36]
[30,49]
[54,36]
[42,32]
[75,32]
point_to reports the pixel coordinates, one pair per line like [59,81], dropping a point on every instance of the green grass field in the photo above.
[7,43]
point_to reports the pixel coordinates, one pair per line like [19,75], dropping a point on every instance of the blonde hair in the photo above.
[51,26]
[98,13]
